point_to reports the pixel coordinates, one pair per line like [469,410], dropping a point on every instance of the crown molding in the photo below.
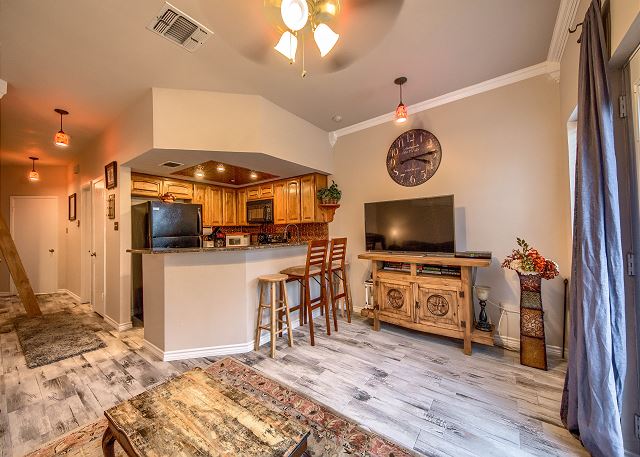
[3,87]
[545,68]
[564,20]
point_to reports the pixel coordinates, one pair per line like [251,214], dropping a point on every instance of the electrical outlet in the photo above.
[637,423]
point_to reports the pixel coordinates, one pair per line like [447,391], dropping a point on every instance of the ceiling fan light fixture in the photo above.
[295,13]
[325,10]
[60,138]
[325,38]
[402,114]
[287,46]
[33,174]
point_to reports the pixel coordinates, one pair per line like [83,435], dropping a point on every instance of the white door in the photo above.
[86,244]
[34,228]
[98,246]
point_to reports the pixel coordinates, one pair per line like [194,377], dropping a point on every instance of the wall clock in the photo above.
[414,157]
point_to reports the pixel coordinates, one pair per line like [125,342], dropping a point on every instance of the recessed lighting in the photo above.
[220,167]
[199,173]
[253,175]
[337,118]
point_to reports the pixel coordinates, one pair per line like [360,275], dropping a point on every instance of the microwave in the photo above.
[260,212]
[237,239]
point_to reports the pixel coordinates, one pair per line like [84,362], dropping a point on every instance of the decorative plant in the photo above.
[528,260]
[331,194]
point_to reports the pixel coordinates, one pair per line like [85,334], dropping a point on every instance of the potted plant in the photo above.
[532,268]
[330,195]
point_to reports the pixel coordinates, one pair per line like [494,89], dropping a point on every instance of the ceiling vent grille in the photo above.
[171,164]
[176,26]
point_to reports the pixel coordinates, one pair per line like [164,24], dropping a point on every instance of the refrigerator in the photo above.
[156,225]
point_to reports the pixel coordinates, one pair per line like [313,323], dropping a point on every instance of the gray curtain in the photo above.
[592,398]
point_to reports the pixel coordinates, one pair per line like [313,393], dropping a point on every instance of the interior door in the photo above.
[98,215]
[36,242]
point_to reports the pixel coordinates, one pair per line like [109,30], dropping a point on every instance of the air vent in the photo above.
[171,164]
[176,26]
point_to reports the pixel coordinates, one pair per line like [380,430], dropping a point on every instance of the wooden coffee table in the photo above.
[195,414]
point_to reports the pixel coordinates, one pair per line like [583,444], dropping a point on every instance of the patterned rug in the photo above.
[331,433]
[54,337]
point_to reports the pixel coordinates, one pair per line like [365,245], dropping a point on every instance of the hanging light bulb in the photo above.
[325,38]
[401,111]
[61,138]
[287,46]
[295,13]
[33,174]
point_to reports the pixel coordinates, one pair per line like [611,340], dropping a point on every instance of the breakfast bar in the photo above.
[203,302]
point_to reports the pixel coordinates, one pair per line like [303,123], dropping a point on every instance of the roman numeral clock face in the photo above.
[414,157]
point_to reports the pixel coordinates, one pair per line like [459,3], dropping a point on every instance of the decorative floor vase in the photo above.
[533,351]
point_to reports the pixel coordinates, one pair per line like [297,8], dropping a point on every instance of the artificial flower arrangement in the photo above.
[528,260]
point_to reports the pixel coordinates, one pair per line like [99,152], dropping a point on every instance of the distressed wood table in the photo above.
[197,415]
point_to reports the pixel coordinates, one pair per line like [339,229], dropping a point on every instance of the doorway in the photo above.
[36,242]
[85,243]
[98,242]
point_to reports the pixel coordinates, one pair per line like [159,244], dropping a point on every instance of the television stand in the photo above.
[432,294]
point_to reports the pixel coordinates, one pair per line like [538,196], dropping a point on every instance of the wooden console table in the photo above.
[434,303]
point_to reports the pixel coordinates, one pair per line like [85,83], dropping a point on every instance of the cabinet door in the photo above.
[145,186]
[293,200]
[279,203]
[180,189]
[266,190]
[253,193]
[200,197]
[215,206]
[308,198]
[396,299]
[229,207]
[438,306]
[241,207]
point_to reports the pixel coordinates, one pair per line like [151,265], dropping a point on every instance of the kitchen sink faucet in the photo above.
[286,232]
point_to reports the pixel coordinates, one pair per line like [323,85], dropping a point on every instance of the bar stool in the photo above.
[316,267]
[270,282]
[337,273]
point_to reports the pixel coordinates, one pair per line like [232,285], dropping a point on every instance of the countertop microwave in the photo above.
[260,212]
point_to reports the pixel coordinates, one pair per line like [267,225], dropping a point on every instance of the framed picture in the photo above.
[111,175]
[111,206]
[72,207]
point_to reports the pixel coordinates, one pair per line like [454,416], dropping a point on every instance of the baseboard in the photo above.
[76,297]
[512,343]
[118,327]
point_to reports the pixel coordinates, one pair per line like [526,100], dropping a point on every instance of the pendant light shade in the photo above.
[295,13]
[33,174]
[287,46]
[401,110]
[325,38]
[61,138]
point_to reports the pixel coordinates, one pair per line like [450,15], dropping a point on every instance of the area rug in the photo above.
[53,337]
[332,434]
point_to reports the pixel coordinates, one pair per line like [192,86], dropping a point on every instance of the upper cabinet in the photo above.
[215,206]
[241,206]
[293,201]
[145,186]
[263,191]
[279,202]
[309,185]
[181,189]
[229,207]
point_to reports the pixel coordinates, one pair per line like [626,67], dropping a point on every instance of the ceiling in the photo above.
[94,58]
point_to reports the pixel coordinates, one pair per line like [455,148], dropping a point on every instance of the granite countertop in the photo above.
[226,248]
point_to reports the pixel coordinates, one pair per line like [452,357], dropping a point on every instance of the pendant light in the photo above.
[33,174]
[61,138]
[325,38]
[401,111]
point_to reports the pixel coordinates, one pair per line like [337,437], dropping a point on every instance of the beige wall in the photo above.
[504,159]
[625,18]
[53,182]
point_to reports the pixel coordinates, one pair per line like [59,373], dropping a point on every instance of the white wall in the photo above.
[505,160]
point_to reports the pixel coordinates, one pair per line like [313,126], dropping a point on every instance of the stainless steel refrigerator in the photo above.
[160,225]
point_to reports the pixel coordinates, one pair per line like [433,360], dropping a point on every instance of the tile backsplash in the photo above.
[308,232]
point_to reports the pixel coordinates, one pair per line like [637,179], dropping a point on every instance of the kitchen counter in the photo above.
[203,302]
[223,249]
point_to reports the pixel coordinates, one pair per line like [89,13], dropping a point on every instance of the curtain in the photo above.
[592,397]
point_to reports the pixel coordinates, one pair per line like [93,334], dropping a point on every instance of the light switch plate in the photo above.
[115,226]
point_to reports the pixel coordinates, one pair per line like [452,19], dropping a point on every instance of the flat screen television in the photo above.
[423,225]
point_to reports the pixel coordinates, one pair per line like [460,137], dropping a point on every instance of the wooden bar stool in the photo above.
[337,273]
[270,282]
[316,268]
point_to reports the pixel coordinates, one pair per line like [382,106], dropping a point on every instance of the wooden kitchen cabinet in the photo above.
[263,191]
[241,206]
[145,186]
[279,202]
[181,189]
[293,201]
[309,185]
[215,206]
[229,207]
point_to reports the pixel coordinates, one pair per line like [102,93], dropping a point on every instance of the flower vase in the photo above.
[533,350]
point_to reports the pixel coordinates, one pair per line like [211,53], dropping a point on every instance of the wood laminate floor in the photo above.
[418,390]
